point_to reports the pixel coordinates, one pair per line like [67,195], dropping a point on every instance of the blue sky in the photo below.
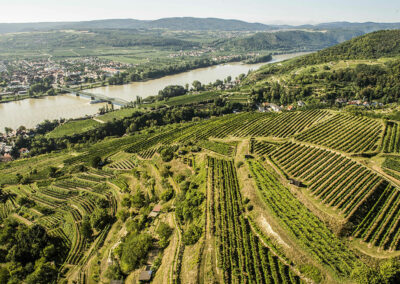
[264,11]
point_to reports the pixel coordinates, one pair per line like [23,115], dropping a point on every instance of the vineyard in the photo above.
[262,147]
[318,198]
[347,133]
[255,124]
[305,227]
[241,255]
[391,141]
[64,202]
[358,194]
[218,147]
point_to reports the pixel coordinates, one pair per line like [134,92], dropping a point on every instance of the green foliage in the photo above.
[99,218]
[311,272]
[187,209]
[172,91]
[390,271]
[364,274]
[95,161]
[289,40]
[114,272]
[45,273]
[164,232]
[192,234]
[167,194]
[369,46]
[167,154]
[86,228]
[328,249]
[4,275]
[134,251]
[72,128]
[30,251]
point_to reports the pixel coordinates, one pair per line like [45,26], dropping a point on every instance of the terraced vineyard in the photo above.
[358,194]
[218,147]
[64,203]
[262,147]
[255,124]
[391,141]
[305,227]
[122,165]
[241,255]
[351,134]
[362,203]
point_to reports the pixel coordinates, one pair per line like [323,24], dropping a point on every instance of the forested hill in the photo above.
[189,24]
[289,40]
[364,68]
[370,46]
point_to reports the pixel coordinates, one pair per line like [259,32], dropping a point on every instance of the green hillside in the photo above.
[212,187]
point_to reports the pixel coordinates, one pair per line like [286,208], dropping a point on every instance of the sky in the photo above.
[263,11]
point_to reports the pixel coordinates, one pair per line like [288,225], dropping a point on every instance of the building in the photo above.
[156,210]
[23,151]
[300,103]
[145,276]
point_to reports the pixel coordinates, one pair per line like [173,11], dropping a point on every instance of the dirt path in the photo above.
[98,120]
[164,271]
[22,219]
[209,272]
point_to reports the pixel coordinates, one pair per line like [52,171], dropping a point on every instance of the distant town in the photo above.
[17,76]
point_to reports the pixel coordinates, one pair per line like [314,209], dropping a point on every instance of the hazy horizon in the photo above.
[292,12]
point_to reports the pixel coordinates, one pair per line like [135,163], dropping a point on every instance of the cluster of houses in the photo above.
[7,144]
[68,71]
[193,53]
[362,103]
[270,107]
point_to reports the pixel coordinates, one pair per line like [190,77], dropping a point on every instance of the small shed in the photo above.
[145,276]
[153,214]
[295,182]
[157,208]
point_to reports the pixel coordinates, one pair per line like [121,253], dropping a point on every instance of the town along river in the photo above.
[30,112]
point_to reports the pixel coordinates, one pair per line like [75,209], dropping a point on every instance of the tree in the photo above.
[134,251]
[4,275]
[390,271]
[99,218]
[95,161]
[164,232]
[114,272]
[192,235]
[45,273]
[363,274]
[8,130]
[86,229]
[197,85]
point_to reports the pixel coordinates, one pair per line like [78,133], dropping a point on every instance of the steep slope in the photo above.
[370,46]
[289,40]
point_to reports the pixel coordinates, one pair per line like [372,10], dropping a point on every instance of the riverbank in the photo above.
[29,112]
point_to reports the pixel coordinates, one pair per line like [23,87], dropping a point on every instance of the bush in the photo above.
[167,194]
[164,232]
[140,245]
[312,272]
[192,235]
[95,161]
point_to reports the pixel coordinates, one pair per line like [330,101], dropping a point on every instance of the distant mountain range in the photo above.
[189,24]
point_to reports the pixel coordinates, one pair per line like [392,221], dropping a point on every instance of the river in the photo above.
[30,112]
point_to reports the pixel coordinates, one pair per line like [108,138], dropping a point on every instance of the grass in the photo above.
[187,99]
[73,127]
[118,114]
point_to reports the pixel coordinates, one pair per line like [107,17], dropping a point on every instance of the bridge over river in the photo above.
[96,97]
